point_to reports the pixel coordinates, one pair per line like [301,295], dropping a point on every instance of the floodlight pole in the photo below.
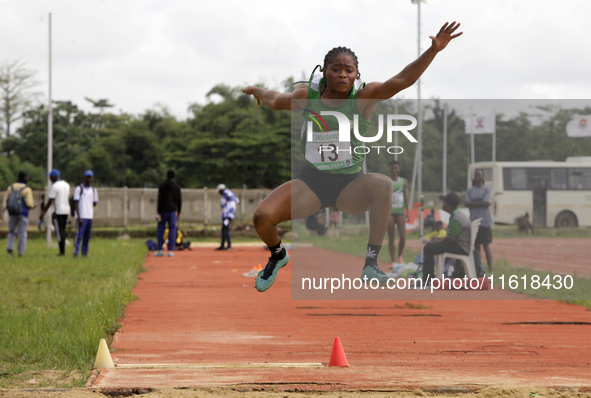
[420,110]
[49,144]
[419,151]
[396,133]
[472,150]
[494,166]
[445,149]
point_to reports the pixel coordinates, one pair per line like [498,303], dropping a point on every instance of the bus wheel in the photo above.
[566,219]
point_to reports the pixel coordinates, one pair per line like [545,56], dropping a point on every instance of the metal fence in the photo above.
[119,207]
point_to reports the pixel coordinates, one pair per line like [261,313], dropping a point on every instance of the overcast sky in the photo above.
[139,53]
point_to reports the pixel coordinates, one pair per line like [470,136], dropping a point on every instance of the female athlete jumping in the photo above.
[343,185]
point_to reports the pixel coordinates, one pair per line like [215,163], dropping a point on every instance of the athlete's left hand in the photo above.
[250,90]
[445,35]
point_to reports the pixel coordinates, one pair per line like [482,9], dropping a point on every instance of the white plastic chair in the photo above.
[467,260]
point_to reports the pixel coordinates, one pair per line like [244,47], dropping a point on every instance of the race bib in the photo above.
[397,200]
[326,152]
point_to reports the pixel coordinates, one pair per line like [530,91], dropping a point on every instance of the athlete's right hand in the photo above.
[250,90]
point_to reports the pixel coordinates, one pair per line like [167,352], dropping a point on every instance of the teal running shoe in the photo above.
[266,277]
[159,253]
[372,271]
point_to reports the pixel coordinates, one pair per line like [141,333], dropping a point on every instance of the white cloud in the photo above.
[138,53]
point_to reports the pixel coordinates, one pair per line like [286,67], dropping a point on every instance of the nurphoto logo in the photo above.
[332,141]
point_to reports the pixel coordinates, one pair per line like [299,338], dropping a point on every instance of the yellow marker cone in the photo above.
[103,356]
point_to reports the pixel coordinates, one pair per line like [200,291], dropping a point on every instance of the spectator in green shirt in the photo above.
[457,240]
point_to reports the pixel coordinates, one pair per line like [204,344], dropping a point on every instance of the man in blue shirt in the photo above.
[85,200]
[228,204]
[478,201]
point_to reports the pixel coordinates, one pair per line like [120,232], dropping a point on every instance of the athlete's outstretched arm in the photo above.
[411,73]
[275,100]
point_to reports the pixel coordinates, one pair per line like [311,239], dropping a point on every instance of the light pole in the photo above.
[419,154]
[420,110]
[419,151]
[49,143]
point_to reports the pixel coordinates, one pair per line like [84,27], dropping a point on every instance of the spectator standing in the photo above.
[59,195]
[19,200]
[478,201]
[85,199]
[228,204]
[398,219]
[169,209]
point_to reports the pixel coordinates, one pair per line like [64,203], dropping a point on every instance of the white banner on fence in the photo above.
[579,127]
[484,124]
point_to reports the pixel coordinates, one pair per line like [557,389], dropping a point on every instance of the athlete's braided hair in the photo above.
[339,50]
[329,57]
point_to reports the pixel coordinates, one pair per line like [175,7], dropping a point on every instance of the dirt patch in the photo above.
[303,392]
[55,379]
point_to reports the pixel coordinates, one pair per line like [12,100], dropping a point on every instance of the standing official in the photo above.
[228,204]
[85,199]
[169,208]
[59,195]
[478,201]
[399,209]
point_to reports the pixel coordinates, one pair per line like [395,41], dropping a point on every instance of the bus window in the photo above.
[558,179]
[515,179]
[579,179]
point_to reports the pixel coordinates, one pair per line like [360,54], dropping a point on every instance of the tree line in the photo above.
[234,141]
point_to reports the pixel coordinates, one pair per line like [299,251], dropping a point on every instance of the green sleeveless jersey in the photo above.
[325,152]
[398,196]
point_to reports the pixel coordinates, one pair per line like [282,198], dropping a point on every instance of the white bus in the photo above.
[555,194]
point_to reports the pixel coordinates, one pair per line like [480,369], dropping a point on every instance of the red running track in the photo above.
[199,322]
[560,255]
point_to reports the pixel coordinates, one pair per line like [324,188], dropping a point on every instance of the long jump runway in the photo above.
[199,322]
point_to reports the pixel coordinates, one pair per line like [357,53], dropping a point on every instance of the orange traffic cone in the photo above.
[337,356]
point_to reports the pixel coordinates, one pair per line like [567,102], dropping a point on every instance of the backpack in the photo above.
[15,202]
[73,202]
[151,245]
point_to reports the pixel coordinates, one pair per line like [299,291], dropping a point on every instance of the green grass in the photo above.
[54,310]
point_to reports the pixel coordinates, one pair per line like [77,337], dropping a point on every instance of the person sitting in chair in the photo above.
[457,240]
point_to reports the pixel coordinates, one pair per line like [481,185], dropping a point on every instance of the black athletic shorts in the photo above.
[327,186]
[484,236]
